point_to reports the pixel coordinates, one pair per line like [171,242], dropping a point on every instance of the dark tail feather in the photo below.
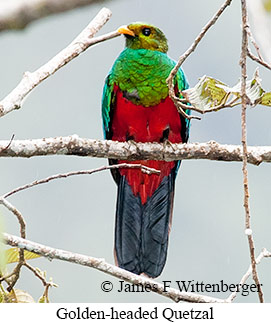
[141,232]
[155,228]
[128,228]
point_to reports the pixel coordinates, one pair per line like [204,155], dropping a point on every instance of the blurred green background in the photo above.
[207,241]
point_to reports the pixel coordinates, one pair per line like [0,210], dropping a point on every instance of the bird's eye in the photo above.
[146,31]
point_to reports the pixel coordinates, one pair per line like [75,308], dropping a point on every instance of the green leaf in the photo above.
[207,93]
[265,99]
[210,93]
[253,89]
[43,299]
[12,255]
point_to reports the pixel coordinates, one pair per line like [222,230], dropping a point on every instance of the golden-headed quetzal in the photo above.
[136,106]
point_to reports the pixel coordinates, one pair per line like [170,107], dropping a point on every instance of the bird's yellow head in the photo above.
[142,35]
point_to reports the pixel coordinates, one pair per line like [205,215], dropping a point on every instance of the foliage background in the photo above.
[207,242]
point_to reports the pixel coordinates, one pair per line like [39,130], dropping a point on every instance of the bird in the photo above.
[136,107]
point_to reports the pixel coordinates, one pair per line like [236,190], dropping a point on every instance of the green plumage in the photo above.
[142,73]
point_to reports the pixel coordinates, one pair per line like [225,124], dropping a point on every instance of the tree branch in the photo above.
[102,265]
[189,51]
[30,80]
[18,14]
[144,169]
[245,100]
[41,276]
[257,59]
[16,271]
[263,254]
[18,215]
[215,108]
[74,145]
[252,39]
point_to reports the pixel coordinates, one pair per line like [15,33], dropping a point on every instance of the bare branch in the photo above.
[143,168]
[15,274]
[102,265]
[249,33]
[244,98]
[18,14]
[189,51]
[41,275]
[263,254]
[74,145]
[257,59]
[13,277]
[17,213]
[36,273]
[30,80]
[181,107]
[216,108]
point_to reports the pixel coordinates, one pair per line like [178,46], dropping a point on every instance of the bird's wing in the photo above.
[108,102]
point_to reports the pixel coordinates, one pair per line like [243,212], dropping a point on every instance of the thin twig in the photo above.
[45,294]
[30,80]
[249,33]
[243,64]
[36,273]
[264,253]
[170,79]
[193,46]
[258,60]
[17,213]
[16,271]
[76,146]
[8,145]
[102,265]
[144,169]
[181,106]
[216,108]
[6,277]
[45,283]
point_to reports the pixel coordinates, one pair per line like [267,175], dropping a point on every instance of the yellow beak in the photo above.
[126,31]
